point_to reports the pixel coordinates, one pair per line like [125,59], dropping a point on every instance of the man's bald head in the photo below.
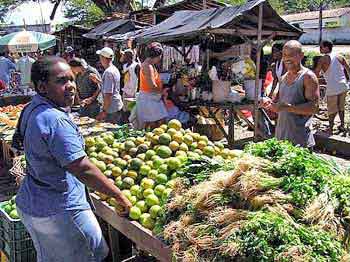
[294,45]
[292,55]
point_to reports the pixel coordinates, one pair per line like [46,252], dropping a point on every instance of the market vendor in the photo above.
[112,100]
[88,86]
[173,111]
[52,201]
[150,107]
[297,99]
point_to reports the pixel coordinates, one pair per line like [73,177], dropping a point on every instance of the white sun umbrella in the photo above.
[27,41]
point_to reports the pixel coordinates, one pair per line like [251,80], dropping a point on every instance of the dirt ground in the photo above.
[320,122]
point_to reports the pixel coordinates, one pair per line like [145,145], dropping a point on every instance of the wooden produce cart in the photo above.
[14,100]
[142,237]
[9,153]
[231,108]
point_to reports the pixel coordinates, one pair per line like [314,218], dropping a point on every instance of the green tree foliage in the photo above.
[5,6]
[296,6]
[84,12]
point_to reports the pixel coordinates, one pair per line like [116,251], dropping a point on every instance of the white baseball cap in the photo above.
[106,52]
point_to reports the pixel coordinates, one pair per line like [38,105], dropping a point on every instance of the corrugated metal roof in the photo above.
[190,25]
[147,15]
[314,15]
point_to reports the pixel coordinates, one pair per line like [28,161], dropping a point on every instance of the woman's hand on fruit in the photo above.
[124,203]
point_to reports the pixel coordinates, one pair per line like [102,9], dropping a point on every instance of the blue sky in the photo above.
[30,11]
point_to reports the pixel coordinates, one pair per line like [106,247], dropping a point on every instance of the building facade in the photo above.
[336,25]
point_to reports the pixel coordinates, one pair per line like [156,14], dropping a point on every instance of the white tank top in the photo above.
[279,70]
[335,77]
[130,80]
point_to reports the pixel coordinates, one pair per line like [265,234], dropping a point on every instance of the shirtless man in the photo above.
[297,99]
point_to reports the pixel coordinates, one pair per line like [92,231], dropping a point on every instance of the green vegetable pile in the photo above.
[125,131]
[274,202]
[199,170]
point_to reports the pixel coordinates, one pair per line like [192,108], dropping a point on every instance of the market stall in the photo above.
[198,200]
[251,23]
[195,199]
[72,35]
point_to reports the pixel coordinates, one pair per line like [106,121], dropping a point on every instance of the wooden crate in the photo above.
[9,153]
[142,237]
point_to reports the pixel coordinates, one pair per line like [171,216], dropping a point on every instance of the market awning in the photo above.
[120,26]
[124,37]
[238,21]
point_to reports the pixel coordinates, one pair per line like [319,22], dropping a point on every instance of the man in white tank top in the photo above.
[333,67]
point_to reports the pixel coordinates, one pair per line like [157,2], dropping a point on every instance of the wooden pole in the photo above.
[208,58]
[183,52]
[257,75]
[72,36]
[320,20]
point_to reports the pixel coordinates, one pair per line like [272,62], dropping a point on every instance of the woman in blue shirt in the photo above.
[52,201]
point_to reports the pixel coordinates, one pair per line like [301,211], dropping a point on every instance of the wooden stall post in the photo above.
[208,58]
[257,75]
[183,52]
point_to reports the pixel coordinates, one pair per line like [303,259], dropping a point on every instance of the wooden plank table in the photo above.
[142,237]
[14,100]
[232,108]
[9,153]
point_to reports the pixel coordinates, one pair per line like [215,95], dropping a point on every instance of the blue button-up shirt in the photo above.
[51,142]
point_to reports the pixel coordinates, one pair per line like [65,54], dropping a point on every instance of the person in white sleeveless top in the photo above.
[131,71]
[278,69]
[333,67]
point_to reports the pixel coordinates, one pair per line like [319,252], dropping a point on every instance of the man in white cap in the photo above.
[112,100]
[68,54]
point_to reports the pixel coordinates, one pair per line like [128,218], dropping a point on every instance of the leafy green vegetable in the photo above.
[124,132]
[305,174]
[267,234]
[271,149]
[340,186]
[199,170]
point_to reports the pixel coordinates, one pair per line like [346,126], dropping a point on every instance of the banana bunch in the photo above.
[249,68]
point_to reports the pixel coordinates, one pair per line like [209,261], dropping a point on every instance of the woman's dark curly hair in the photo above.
[41,69]
[154,50]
